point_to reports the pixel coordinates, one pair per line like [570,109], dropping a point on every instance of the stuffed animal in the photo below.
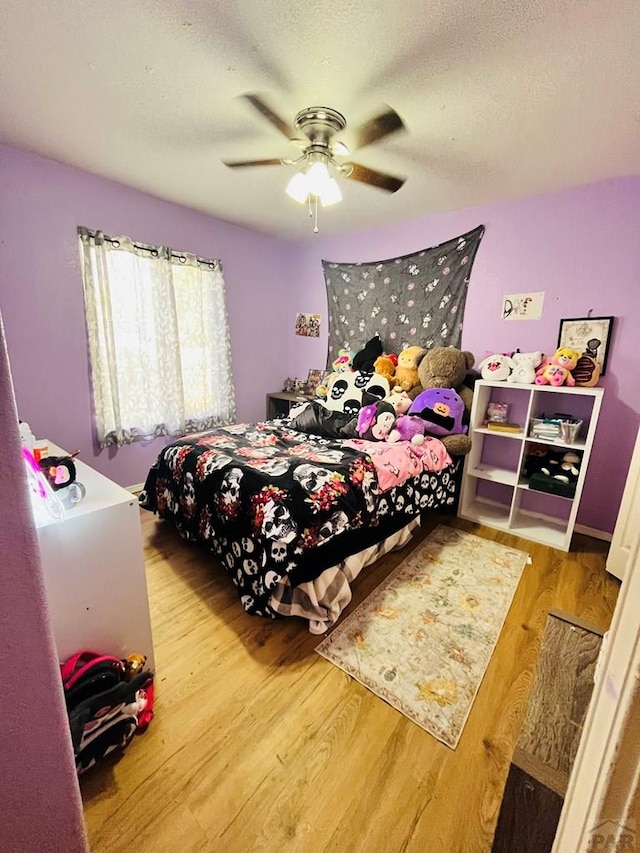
[322,390]
[587,371]
[375,421]
[400,401]
[408,428]
[524,367]
[569,468]
[442,410]
[60,471]
[558,371]
[364,360]
[407,370]
[496,367]
[385,366]
[343,362]
[447,367]
[564,467]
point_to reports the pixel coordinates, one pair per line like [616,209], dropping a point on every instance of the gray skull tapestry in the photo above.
[416,299]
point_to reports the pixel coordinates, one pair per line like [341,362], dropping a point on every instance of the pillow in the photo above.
[348,392]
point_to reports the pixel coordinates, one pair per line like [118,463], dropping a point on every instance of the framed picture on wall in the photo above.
[588,335]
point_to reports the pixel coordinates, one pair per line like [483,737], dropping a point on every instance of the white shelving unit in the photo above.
[94,572]
[494,492]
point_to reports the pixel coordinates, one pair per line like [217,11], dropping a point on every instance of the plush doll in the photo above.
[322,390]
[587,371]
[385,366]
[447,367]
[442,409]
[407,370]
[558,371]
[60,471]
[408,428]
[400,401]
[375,421]
[364,360]
[524,367]
[496,367]
[569,468]
[343,362]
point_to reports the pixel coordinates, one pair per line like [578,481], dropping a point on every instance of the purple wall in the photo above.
[577,245]
[580,246]
[41,297]
[41,806]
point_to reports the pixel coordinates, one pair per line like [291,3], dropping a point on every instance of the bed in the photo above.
[292,515]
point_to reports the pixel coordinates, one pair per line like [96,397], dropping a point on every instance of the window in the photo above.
[158,340]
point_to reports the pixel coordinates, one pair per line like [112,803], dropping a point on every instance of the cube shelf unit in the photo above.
[494,492]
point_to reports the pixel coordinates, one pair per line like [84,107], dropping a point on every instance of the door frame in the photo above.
[604,779]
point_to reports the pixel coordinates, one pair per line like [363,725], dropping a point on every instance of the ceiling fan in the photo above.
[319,126]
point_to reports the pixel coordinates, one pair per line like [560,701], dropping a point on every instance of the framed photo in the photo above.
[308,325]
[313,380]
[588,335]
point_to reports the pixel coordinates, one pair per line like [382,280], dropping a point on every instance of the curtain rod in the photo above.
[181,256]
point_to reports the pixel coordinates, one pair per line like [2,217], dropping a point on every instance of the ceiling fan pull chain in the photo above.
[311,199]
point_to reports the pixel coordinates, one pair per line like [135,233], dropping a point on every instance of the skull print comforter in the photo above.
[273,502]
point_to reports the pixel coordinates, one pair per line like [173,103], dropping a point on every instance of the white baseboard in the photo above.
[135,489]
[591,531]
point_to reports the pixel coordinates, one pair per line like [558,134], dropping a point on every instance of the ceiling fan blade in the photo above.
[356,172]
[265,111]
[377,128]
[234,164]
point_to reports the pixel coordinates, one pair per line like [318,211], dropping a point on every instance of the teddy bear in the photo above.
[407,370]
[385,366]
[558,370]
[447,367]
[525,365]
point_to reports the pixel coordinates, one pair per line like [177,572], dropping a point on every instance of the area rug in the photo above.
[423,639]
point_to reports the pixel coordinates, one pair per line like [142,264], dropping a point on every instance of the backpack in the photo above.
[108,700]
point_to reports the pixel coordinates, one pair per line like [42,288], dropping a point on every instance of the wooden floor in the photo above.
[259,744]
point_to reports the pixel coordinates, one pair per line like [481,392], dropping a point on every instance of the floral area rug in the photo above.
[422,640]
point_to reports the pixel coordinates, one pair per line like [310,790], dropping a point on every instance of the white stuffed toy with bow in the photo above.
[496,367]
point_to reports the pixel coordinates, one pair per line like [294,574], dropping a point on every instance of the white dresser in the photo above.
[94,571]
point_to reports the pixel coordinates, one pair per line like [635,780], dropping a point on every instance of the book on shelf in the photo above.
[503,426]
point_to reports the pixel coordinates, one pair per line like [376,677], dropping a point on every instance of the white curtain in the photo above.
[158,340]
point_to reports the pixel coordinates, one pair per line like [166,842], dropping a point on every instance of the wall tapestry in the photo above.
[415,299]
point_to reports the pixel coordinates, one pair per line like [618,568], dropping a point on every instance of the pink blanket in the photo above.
[396,462]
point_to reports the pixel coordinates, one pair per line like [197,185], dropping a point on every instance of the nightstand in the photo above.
[281,402]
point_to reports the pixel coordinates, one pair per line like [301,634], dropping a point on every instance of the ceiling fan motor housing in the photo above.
[319,124]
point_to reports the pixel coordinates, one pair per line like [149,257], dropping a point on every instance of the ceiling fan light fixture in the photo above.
[318,177]
[298,187]
[314,181]
[331,193]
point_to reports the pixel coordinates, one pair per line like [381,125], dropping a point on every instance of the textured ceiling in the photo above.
[501,98]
